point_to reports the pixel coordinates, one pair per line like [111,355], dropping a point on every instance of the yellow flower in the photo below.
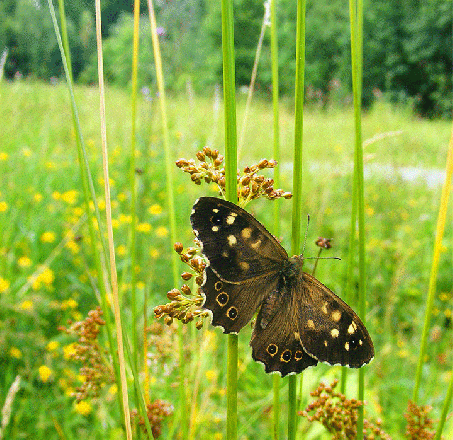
[50,165]
[73,246]
[113,389]
[48,237]
[115,223]
[69,304]
[369,210]
[140,285]
[26,152]
[143,227]
[83,407]
[70,196]
[3,155]
[154,253]
[15,353]
[218,436]
[26,305]
[123,218]
[44,373]
[56,195]
[52,345]
[3,206]
[24,261]
[211,375]
[78,211]
[155,209]
[121,250]
[161,231]
[122,197]
[4,285]
[69,351]
[47,276]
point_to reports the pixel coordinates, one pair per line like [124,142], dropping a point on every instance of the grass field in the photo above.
[47,275]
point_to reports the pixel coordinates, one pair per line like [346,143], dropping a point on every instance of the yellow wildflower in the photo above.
[73,246]
[83,407]
[155,209]
[211,375]
[122,197]
[44,373]
[123,218]
[48,237]
[3,206]
[3,155]
[369,210]
[161,231]
[113,389]
[121,250]
[47,276]
[26,152]
[52,345]
[15,353]
[154,253]
[115,223]
[70,196]
[24,261]
[4,285]
[26,305]
[143,227]
[56,195]
[69,351]
[50,165]
[69,304]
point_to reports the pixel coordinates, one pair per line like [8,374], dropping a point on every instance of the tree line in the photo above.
[407,47]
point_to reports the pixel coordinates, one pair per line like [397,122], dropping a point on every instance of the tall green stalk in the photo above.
[297,183]
[169,165]
[446,188]
[356,18]
[133,187]
[229,97]
[88,190]
[276,126]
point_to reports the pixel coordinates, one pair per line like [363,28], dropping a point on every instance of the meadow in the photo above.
[47,275]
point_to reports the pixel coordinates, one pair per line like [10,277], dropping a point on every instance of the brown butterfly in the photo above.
[300,321]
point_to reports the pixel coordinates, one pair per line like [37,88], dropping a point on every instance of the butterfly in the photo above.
[300,321]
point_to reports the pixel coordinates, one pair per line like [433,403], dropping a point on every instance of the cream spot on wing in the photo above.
[215,229]
[244,265]
[311,324]
[215,210]
[256,245]
[352,328]
[324,307]
[297,336]
[334,333]
[246,232]
[360,342]
[225,254]
[346,346]
[336,315]
[192,212]
[230,219]
[325,343]
[231,240]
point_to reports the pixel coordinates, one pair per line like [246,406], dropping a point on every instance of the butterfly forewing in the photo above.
[330,330]
[233,305]
[237,246]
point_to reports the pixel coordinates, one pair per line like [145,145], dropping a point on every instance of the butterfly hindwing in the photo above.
[276,339]
[330,330]
[237,246]
[233,305]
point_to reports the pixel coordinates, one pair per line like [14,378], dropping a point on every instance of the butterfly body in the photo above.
[300,321]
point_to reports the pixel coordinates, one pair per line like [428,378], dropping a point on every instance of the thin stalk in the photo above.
[64,37]
[276,380]
[445,409]
[446,188]
[183,422]
[133,187]
[229,97]
[108,213]
[297,183]
[88,189]
[356,18]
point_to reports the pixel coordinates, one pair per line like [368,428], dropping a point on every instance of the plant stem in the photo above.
[297,183]
[356,18]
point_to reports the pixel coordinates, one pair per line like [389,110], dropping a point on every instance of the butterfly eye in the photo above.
[286,356]
[353,343]
[298,355]
[216,220]
[272,349]
[232,313]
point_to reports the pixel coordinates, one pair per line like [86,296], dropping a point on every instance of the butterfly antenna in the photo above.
[306,234]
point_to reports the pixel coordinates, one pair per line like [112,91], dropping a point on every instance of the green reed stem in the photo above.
[229,97]
[356,18]
[435,266]
[133,187]
[445,409]
[276,379]
[87,186]
[169,165]
[297,183]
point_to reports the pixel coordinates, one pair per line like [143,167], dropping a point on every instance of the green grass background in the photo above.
[41,200]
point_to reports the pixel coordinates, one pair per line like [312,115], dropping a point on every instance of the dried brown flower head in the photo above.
[418,422]
[339,415]
[96,369]
[156,412]
[325,243]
